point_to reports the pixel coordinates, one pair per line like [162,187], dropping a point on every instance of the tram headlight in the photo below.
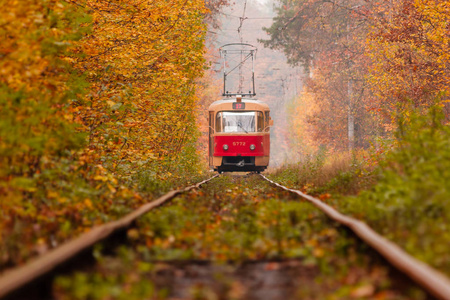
[225,147]
[252,147]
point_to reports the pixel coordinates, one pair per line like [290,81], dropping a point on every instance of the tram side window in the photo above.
[267,119]
[260,121]
[218,122]
[211,122]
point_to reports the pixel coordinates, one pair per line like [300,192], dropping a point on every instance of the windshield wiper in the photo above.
[240,125]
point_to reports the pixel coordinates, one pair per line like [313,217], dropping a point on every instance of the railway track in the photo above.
[433,282]
[12,280]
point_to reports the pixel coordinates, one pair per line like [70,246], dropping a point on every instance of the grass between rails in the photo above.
[229,222]
[406,198]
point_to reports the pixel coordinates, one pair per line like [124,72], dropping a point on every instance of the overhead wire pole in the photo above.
[350,116]
[350,86]
[253,75]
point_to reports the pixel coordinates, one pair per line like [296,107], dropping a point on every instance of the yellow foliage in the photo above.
[302,130]
[409,53]
[91,91]
[142,59]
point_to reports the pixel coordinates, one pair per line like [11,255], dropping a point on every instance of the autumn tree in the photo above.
[327,39]
[98,104]
[368,60]
[142,60]
[408,47]
[39,137]
[214,8]
[37,85]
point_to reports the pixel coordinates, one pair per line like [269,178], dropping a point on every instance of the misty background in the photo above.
[276,83]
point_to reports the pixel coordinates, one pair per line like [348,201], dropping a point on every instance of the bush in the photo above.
[411,201]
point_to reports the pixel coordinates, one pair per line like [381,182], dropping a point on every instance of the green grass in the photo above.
[405,198]
[232,221]
[410,204]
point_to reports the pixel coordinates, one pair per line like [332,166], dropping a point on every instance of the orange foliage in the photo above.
[142,60]
[367,61]
[93,94]
[304,109]
[408,45]
[208,88]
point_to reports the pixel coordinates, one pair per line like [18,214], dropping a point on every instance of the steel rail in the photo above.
[12,280]
[431,280]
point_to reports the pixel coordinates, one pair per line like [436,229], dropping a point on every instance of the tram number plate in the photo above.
[238,105]
[238,143]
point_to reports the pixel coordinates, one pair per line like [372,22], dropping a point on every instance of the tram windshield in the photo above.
[231,121]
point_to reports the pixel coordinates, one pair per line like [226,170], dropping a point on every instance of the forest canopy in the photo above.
[368,62]
[98,103]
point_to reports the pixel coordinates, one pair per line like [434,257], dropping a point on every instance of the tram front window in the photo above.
[238,121]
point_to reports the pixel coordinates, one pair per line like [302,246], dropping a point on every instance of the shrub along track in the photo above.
[238,238]
[431,280]
[13,280]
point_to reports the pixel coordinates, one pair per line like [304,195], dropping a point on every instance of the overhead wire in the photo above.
[240,53]
[239,30]
[248,18]
[241,21]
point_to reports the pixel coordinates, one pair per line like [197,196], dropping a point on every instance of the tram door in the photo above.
[211,137]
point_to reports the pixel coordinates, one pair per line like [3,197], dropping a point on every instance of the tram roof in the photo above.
[229,101]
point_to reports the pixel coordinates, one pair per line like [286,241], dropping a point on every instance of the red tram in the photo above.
[239,135]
